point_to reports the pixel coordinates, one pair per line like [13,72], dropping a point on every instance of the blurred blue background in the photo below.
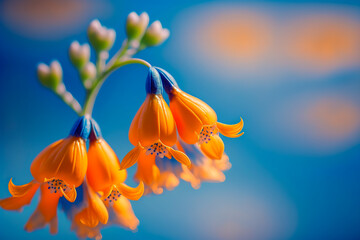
[289,69]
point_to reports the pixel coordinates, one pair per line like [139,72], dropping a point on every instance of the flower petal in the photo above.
[16,203]
[231,131]
[131,193]
[65,160]
[149,122]
[180,157]
[21,190]
[214,148]
[168,133]
[70,194]
[123,214]
[190,114]
[103,167]
[95,212]
[45,213]
[131,158]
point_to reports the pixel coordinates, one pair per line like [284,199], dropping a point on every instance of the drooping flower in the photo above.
[153,128]
[58,170]
[105,197]
[196,121]
[104,174]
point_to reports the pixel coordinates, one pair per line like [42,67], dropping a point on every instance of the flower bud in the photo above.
[136,25]
[50,76]
[100,37]
[88,74]
[155,35]
[79,54]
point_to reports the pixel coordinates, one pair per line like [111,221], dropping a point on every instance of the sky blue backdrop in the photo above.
[278,187]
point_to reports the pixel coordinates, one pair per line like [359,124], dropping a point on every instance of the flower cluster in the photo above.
[186,133]
[82,174]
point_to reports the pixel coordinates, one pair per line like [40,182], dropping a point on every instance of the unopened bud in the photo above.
[100,37]
[136,25]
[50,76]
[79,54]
[88,71]
[155,35]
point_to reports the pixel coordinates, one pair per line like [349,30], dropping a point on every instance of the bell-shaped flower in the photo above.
[196,121]
[58,170]
[103,172]
[153,129]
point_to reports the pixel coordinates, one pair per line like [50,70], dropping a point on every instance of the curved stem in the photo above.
[93,92]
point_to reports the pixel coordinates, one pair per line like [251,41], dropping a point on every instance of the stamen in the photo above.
[157,149]
[206,133]
[56,184]
[113,196]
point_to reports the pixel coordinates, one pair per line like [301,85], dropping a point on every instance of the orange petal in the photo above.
[95,211]
[213,149]
[168,133]
[134,127]
[21,190]
[231,131]
[45,213]
[131,193]
[70,195]
[131,158]
[180,157]
[147,171]
[16,203]
[124,215]
[190,114]
[149,122]
[103,167]
[66,160]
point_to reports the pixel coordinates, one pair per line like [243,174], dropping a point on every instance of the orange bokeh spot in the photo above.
[324,42]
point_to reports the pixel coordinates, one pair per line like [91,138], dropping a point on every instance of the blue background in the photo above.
[287,181]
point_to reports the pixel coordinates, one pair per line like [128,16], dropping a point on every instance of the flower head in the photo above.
[196,121]
[57,170]
[153,128]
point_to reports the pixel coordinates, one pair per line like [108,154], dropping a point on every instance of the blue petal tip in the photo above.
[168,81]
[95,132]
[81,128]
[153,82]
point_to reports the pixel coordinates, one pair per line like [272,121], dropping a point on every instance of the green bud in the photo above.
[79,54]
[50,76]
[136,25]
[88,74]
[154,35]
[101,38]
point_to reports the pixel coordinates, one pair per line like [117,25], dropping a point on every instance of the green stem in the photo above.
[93,92]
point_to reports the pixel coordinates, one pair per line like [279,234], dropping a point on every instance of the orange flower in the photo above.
[103,173]
[89,213]
[104,196]
[196,121]
[58,169]
[153,129]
